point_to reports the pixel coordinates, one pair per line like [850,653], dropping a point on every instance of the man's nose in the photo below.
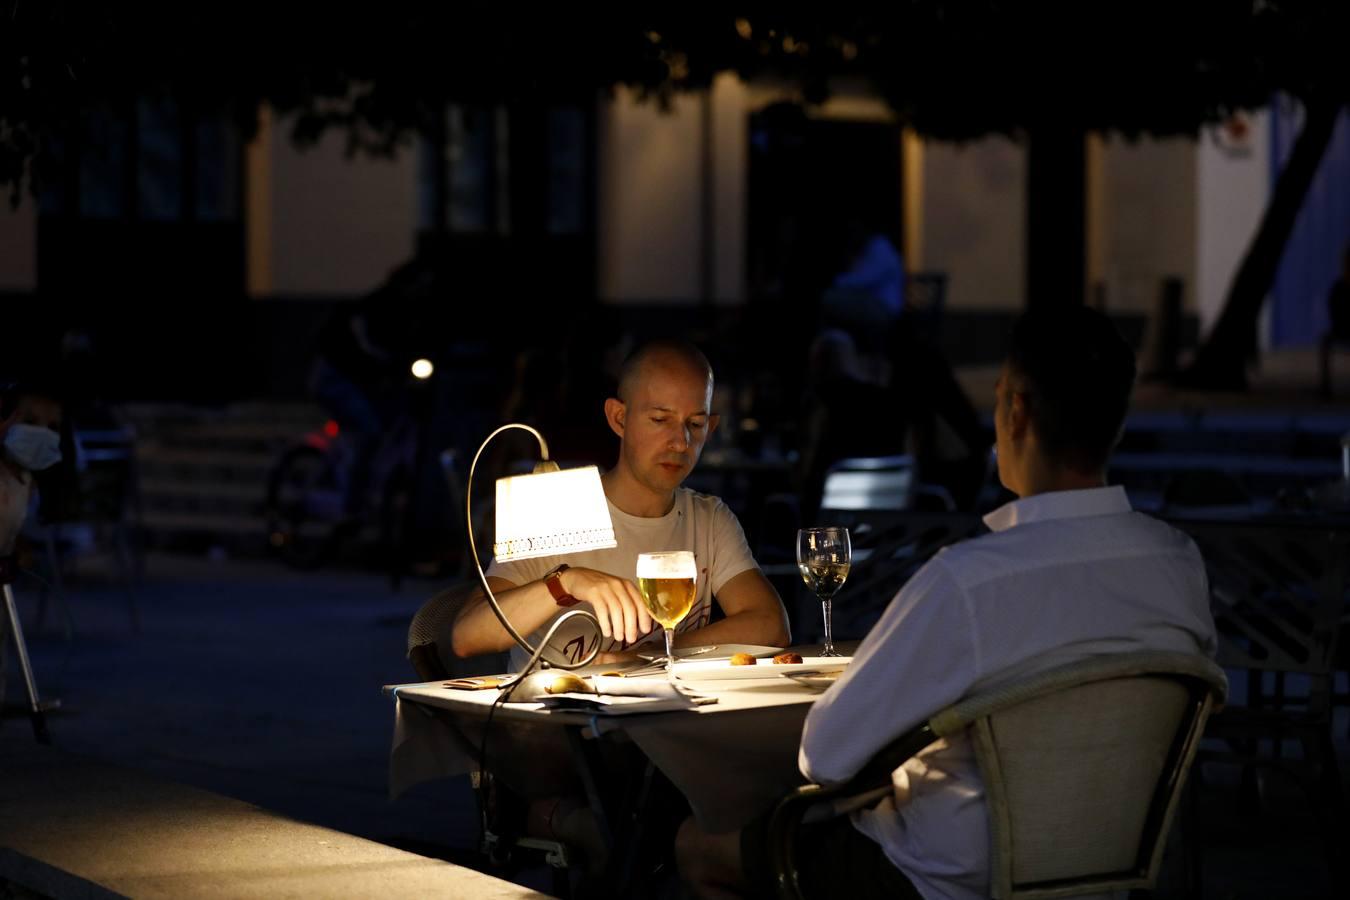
[679,440]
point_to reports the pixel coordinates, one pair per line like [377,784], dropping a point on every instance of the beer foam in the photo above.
[672,564]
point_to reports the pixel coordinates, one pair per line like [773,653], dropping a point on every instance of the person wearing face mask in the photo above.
[30,441]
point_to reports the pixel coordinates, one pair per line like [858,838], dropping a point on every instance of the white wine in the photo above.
[668,599]
[823,556]
[824,579]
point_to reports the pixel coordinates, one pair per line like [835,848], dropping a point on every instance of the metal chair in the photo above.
[925,302]
[1082,765]
[1278,594]
[880,483]
[106,500]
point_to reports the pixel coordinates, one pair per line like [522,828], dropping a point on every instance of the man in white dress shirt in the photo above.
[1068,572]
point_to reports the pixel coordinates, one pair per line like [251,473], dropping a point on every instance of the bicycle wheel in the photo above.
[300,492]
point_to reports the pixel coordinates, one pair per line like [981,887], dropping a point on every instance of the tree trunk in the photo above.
[1056,216]
[1222,361]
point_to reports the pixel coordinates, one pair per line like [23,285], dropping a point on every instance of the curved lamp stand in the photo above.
[536,654]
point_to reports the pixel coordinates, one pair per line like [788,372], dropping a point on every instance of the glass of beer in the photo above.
[667,583]
[823,557]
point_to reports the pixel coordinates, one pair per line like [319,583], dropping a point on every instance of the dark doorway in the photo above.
[811,182]
[140,243]
[808,179]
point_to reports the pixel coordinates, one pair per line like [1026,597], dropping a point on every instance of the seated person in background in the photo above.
[871,287]
[30,441]
[846,414]
[1338,332]
[662,417]
[1068,572]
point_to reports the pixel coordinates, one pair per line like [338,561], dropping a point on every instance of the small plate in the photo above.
[711,652]
[721,670]
[817,682]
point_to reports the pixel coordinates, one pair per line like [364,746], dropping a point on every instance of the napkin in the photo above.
[617,696]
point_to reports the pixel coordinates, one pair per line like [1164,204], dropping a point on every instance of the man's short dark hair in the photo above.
[1079,374]
[682,350]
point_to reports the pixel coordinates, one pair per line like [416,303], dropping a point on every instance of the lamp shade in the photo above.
[551,512]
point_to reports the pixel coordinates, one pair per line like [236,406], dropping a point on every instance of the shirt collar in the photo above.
[1051,505]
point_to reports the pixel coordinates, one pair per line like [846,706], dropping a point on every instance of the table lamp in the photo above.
[547,512]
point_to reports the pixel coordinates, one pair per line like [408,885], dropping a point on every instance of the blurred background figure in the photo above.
[847,413]
[30,429]
[1338,332]
[867,295]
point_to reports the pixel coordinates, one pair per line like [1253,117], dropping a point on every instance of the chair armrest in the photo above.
[871,781]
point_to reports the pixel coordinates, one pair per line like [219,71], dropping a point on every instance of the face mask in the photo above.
[33,447]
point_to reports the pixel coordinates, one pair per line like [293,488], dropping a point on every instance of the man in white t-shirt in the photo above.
[1068,572]
[662,416]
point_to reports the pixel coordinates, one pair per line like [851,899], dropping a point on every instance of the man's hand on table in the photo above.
[618,658]
[616,601]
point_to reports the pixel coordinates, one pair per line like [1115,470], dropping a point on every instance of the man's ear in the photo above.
[616,415]
[1019,415]
[712,423]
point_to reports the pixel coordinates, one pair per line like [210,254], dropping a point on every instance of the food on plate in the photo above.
[567,683]
[742,659]
[787,659]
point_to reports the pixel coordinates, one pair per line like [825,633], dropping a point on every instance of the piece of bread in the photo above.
[742,659]
[787,659]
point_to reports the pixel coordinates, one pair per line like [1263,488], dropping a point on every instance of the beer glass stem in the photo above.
[670,653]
[826,609]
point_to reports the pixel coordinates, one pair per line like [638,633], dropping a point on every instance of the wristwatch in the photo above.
[553,581]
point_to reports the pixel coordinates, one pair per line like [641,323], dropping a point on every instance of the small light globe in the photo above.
[422,369]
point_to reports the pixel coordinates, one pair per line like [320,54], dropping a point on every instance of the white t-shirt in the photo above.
[1065,576]
[697,522]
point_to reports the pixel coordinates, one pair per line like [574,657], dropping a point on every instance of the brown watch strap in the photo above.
[553,581]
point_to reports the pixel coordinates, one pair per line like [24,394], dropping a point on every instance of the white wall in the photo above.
[322,224]
[18,243]
[974,220]
[1232,190]
[1147,206]
[649,196]
[1143,218]
[648,200]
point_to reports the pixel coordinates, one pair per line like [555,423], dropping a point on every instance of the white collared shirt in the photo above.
[1064,575]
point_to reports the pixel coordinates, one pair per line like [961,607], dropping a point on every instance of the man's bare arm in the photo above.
[615,601]
[754,615]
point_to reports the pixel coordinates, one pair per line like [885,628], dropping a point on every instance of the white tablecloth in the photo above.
[731,759]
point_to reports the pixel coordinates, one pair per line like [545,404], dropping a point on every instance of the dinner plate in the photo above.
[721,670]
[710,652]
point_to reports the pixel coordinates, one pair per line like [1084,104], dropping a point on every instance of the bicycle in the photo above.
[308,511]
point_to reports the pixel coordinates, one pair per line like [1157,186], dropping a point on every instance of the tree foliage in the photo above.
[382,73]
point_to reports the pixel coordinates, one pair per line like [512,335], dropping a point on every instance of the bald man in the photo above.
[663,417]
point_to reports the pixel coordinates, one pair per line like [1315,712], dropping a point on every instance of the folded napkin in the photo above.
[617,696]
[619,686]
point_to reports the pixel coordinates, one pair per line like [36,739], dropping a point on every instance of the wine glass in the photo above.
[823,556]
[668,582]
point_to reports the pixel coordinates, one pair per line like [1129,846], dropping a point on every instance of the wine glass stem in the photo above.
[670,654]
[826,608]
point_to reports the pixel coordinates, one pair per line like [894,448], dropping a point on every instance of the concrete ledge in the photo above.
[74,828]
